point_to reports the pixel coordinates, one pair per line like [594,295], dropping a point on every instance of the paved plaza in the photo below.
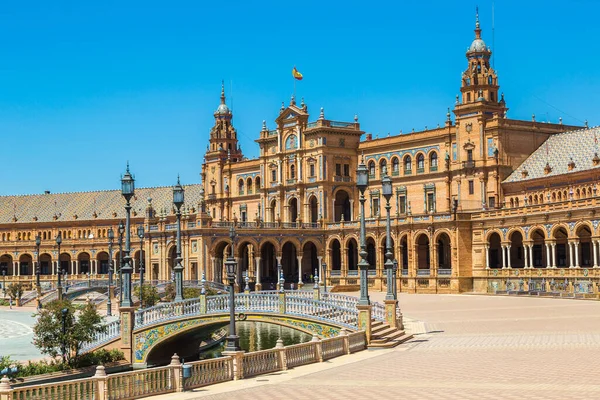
[465,347]
[16,333]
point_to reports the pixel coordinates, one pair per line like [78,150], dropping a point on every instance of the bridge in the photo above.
[137,333]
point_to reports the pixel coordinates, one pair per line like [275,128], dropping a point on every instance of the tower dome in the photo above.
[478,45]
[223,109]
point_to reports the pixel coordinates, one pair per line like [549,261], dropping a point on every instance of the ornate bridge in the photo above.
[137,333]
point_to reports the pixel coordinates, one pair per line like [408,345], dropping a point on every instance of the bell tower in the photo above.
[223,143]
[479,81]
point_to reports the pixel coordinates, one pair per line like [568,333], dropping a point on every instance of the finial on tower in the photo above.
[477,26]
[293,100]
[322,114]
[222,92]
[264,127]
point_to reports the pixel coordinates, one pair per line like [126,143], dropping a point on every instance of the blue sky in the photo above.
[86,86]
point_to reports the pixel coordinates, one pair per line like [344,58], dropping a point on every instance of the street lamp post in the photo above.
[395,279]
[362,181]
[140,233]
[111,238]
[3,282]
[121,233]
[127,190]
[324,276]
[178,199]
[38,242]
[386,186]
[64,312]
[58,267]
[233,340]
[89,276]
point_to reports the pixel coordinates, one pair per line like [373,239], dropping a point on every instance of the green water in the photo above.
[254,336]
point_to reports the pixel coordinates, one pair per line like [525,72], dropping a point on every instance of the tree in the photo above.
[15,291]
[150,295]
[81,324]
[188,292]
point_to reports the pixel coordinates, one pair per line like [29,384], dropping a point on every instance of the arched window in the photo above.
[382,166]
[395,166]
[372,169]
[292,171]
[407,165]
[490,80]
[420,163]
[433,161]
[257,184]
[241,186]
[249,184]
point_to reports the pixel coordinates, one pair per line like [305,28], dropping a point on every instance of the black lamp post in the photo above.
[140,233]
[121,233]
[111,238]
[233,340]
[3,282]
[178,198]
[395,277]
[38,242]
[386,186]
[64,312]
[127,190]
[58,267]
[324,276]
[362,181]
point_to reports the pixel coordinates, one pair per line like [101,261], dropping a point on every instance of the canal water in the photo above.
[254,336]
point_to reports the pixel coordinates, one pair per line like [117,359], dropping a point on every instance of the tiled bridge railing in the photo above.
[332,308]
[170,379]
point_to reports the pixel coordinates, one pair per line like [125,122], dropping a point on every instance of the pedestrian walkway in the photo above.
[465,347]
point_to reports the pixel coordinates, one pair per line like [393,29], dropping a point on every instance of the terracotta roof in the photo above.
[580,146]
[44,207]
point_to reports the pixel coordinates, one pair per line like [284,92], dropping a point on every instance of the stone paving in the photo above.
[465,347]
[16,333]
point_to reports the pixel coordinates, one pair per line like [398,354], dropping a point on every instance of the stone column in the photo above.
[300,282]
[530,256]
[570,247]
[16,269]
[503,247]
[595,245]
[553,254]
[486,256]
[258,285]
[279,270]
[401,260]
[525,250]
[508,255]
[576,246]
[548,256]
[320,270]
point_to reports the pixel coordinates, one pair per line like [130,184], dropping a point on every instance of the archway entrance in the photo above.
[444,258]
[539,252]
[310,262]
[293,210]
[336,255]
[517,259]
[495,249]
[342,206]
[585,246]
[371,254]
[289,263]
[314,209]
[352,255]
[45,264]
[268,267]
[423,262]
[562,252]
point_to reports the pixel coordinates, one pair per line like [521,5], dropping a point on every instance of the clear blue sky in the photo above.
[86,86]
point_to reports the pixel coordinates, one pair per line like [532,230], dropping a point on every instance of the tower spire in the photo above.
[222,92]
[477,27]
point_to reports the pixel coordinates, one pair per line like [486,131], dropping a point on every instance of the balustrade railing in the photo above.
[207,372]
[261,362]
[81,389]
[333,347]
[138,384]
[301,354]
[356,342]
[113,331]
[378,312]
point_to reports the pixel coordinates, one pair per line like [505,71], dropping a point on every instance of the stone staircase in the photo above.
[384,336]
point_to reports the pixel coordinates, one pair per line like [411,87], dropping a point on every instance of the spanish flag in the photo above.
[296,74]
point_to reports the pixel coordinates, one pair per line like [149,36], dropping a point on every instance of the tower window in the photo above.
[273,175]
[292,172]
[468,97]
[492,96]
[471,187]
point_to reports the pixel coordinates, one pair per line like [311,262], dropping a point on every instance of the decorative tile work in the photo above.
[580,145]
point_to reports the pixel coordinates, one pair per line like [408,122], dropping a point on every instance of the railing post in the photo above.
[5,389]
[344,334]
[318,348]
[127,323]
[281,302]
[390,313]
[364,320]
[316,293]
[176,372]
[238,363]
[101,383]
[281,354]
[202,303]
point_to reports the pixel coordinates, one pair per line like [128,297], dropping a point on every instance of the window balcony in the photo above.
[433,168]
[420,170]
[423,272]
[291,181]
[468,164]
[408,172]
[444,271]
[395,173]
